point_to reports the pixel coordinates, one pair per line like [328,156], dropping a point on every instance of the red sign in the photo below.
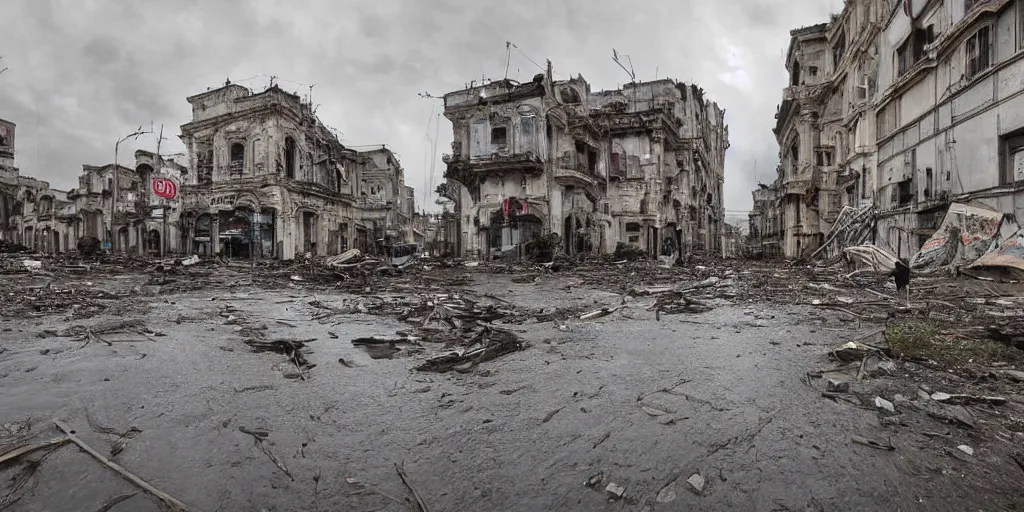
[164,188]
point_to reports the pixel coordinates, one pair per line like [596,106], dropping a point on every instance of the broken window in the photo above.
[903,58]
[528,133]
[592,161]
[237,160]
[499,136]
[978,51]
[616,162]
[823,157]
[205,175]
[904,194]
[922,37]
[928,182]
[570,95]
[1012,157]
[290,156]
[813,70]
[794,78]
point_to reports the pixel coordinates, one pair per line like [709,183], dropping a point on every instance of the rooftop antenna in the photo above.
[508,56]
[272,79]
[630,72]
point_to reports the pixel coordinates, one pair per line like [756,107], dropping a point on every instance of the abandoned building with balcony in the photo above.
[271,180]
[643,166]
[824,126]
[932,114]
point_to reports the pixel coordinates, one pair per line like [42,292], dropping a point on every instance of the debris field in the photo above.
[347,384]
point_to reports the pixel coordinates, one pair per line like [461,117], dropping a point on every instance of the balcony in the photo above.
[461,167]
[574,177]
[797,187]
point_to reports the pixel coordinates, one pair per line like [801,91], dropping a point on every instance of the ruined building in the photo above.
[31,213]
[764,236]
[825,126]
[138,223]
[643,166]
[268,179]
[950,115]
[902,107]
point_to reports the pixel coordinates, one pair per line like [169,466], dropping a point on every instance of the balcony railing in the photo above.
[574,174]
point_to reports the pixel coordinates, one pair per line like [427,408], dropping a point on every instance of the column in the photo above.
[215,233]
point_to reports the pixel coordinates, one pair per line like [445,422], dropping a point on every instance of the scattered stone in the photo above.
[837,386]
[667,494]
[966,449]
[884,404]
[696,483]
[1014,375]
[615,491]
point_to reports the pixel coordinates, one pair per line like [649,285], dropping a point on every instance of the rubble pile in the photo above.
[462,330]
[39,300]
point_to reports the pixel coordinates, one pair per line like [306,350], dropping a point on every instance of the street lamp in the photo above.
[113,197]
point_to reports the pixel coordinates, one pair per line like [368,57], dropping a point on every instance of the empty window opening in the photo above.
[1012,157]
[499,136]
[928,182]
[904,193]
[823,157]
[237,162]
[290,155]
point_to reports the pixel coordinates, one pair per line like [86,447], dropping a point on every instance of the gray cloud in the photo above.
[83,74]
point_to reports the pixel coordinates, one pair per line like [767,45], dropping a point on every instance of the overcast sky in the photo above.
[82,74]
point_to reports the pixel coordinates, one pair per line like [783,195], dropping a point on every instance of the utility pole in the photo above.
[114,193]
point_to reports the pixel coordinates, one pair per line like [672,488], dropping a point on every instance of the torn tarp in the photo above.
[965,234]
[1005,257]
[870,257]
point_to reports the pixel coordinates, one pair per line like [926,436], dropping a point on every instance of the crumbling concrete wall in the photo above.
[651,153]
[266,166]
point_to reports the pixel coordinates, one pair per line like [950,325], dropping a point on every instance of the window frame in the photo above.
[971,70]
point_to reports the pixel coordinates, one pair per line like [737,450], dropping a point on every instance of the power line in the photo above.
[527,57]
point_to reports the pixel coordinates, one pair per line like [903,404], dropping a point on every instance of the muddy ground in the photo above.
[642,402]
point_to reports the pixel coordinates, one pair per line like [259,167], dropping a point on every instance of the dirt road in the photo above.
[644,403]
